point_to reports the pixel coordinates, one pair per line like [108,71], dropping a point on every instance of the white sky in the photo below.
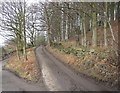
[2,39]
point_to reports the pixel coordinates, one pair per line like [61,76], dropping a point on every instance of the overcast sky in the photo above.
[2,39]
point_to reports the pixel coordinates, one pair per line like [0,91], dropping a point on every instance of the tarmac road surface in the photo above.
[58,77]
[10,82]
[55,76]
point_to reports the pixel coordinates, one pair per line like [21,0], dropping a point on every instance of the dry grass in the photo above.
[90,65]
[70,59]
[25,69]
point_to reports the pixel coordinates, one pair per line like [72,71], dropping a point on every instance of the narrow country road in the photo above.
[58,77]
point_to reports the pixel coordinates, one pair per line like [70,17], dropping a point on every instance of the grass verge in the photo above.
[24,69]
[97,63]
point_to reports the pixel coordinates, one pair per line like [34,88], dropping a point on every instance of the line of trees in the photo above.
[21,23]
[66,20]
[13,20]
[61,20]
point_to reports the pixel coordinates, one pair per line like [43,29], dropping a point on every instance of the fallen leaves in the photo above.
[25,69]
[94,63]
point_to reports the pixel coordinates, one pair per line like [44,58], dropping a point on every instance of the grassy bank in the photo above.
[99,63]
[24,69]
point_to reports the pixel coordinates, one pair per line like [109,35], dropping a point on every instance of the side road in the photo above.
[10,82]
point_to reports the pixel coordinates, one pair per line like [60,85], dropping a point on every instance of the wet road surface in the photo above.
[10,82]
[58,77]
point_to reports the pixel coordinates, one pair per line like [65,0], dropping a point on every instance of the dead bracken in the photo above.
[25,69]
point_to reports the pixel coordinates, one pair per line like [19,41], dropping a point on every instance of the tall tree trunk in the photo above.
[67,25]
[112,11]
[82,34]
[105,26]
[62,23]
[49,36]
[94,37]
[24,32]
[118,9]
[105,33]
[48,27]
[17,48]
[32,33]
[84,31]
